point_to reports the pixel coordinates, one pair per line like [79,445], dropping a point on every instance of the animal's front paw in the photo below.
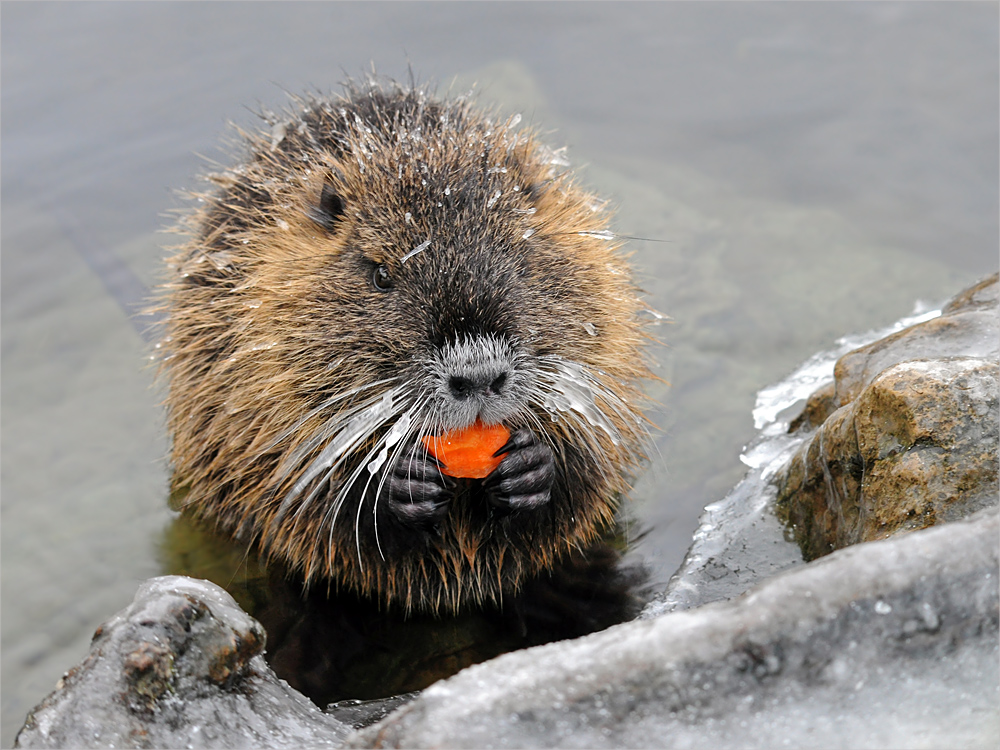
[417,491]
[523,480]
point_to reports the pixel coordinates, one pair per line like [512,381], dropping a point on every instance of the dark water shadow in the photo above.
[333,646]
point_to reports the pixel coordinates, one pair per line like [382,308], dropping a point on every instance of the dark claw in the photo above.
[519,439]
[523,480]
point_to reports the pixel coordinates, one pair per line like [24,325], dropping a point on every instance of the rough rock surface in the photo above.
[907,434]
[358,713]
[883,645]
[180,667]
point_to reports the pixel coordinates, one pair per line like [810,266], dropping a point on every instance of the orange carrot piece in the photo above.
[469,452]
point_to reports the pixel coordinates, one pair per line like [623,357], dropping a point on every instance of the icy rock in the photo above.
[882,645]
[182,666]
[907,434]
[952,354]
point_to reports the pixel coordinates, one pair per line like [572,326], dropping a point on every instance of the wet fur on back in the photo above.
[383,266]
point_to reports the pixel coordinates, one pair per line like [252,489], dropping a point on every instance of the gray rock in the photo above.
[882,645]
[739,542]
[182,666]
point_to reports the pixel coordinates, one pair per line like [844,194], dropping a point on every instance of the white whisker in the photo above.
[396,439]
[346,433]
[320,409]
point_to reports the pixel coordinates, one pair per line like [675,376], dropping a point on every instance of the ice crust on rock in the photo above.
[817,371]
[884,645]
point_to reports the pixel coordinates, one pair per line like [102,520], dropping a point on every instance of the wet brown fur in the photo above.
[269,314]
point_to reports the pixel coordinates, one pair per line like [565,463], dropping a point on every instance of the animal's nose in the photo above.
[484,384]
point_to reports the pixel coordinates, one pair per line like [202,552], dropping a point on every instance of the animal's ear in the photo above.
[533,190]
[329,210]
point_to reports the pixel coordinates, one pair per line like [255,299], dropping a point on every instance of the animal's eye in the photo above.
[381,279]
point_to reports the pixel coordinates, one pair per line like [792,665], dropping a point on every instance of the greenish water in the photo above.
[815,169]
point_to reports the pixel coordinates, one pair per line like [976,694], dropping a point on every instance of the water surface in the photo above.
[815,169]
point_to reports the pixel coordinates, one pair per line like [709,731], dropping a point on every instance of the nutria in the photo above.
[385,266]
